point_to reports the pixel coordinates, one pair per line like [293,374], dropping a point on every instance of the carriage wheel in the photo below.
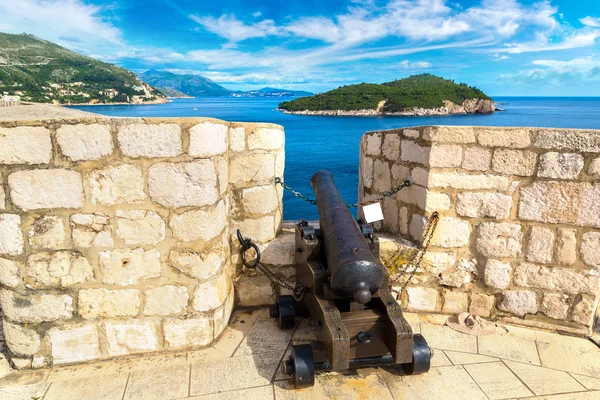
[301,366]
[284,311]
[421,357]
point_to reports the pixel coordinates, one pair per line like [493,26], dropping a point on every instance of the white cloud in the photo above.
[415,64]
[499,57]
[590,21]
[229,27]
[543,43]
[256,14]
[574,72]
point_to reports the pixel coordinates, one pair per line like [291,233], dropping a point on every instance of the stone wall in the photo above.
[518,237]
[116,234]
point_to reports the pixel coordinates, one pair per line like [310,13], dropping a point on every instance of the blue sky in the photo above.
[505,47]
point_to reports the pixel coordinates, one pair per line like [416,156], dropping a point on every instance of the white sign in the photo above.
[373,213]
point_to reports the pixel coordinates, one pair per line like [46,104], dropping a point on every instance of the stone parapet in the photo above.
[117,235]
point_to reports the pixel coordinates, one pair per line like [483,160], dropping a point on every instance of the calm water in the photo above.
[314,143]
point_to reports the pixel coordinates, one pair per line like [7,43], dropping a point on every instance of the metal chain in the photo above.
[392,192]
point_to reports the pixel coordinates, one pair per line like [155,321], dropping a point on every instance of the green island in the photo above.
[423,94]
[41,71]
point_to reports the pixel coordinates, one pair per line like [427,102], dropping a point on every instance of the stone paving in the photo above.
[245,364]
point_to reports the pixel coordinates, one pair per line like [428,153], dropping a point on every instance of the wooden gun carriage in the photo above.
[358,320]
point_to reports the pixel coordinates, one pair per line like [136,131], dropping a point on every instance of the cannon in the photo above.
[346,292]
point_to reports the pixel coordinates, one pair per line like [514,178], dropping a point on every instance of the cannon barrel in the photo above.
[354,272]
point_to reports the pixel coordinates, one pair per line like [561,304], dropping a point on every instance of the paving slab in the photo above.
[24,378]
[265,337]
[587,381]
[25,392]
[544,381]
[572,396]
[578,360]
[259,393]
[109,387]
[439,359]
[442,337]
[509,348]
[497,381]
[459,358]
[338,387]
[240,324]
[159,383]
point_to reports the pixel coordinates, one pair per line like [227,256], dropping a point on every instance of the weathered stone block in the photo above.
[200,224]
[412,152]
[449,134]
[183,184]
[437,202]
[514,138]
[117,184]
[583,311]
[59,270]
[519,302]
[252,169]
[260,200]
[566,246]
[11,239]
[436,262]
[223,175]
[452,232]
[482,304]
[166,300]
[590,248]
[265,139]
[594,168]
[382,179]
[47,232]
[445,156]
[21,340]
[391,146]
[237,139]
[484,205]
[541,245]
[197,265]
[455,302]
[497,274]
[25,145]
[129,267]
[281,251]
[222,316]
[499,239]
[579,141]
[103,303]
[589,209]
[91,230]
[556,305]
[456,278]
[417,225]
[141,140]
[84,142]
[390,215]
[373,144]
[179,334]
[477,159]
[9,273]
[36,308]
[459,180]
[136,336]
[514,162]
[138,227]
[411,133]
[46,188]
[260,229]
[422,299]
[252,291]
[2,196]
[212,294]
[560,165]
[74,344]
[366,169]
[563,280]
[208,139]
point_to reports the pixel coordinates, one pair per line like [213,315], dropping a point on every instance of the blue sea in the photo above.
[315,142]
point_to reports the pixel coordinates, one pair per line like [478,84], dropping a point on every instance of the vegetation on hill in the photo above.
[190,84]
[418,91]
[42,71]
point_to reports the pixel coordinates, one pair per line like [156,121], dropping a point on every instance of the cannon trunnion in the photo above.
[358,320]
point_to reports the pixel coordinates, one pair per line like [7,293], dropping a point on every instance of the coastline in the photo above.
[166,100]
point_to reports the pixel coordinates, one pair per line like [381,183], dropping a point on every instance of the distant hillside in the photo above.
[173,93]
[42,71]
[190,84]
[272,92]
[424,94]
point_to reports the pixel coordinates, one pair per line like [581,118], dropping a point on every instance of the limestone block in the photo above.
[594,168]
[141,140]
[197,265]
[477,159]
[514,138]
[21,363]
[252,169]
[452,232]
[583,311]
[85,142]
[455,302]
[117,184]
[211,294]
[222,316]
[237,139]
[138,227]
[129,267]
[589,209]
[58,270]
[437,202]
[391,146]
[555,305]
[411,133]
[193,332]
[456,279]
[40,362]
[417,224]
[252,291]
[46,188]
[166,300]
[390,215]
[565,280]
[482,304]
[11,239]
[21,340]
[281,251]
[9,272]
[514,162]
[47,232]
[36,308]
[74,344]
[519,302]
[183,184]
[260,199]
[541,245]
[25,145]
[5,368]
[497,274]
[578,141]
[373,144]
[414,194]
[382,178]
[422,299]
[445,156]
[419,176]
[201,224]
[130,337]
[2,196]
[223,175]
[484,205]
[367,172]
[449,134]
[459,180]
[208,139]
[499,239]
[436,262]
[412,152]
[260,229]
[566,246]
[403,220]
[91,230]
[103,303]
[560,165]
[590,248]
[265,139]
